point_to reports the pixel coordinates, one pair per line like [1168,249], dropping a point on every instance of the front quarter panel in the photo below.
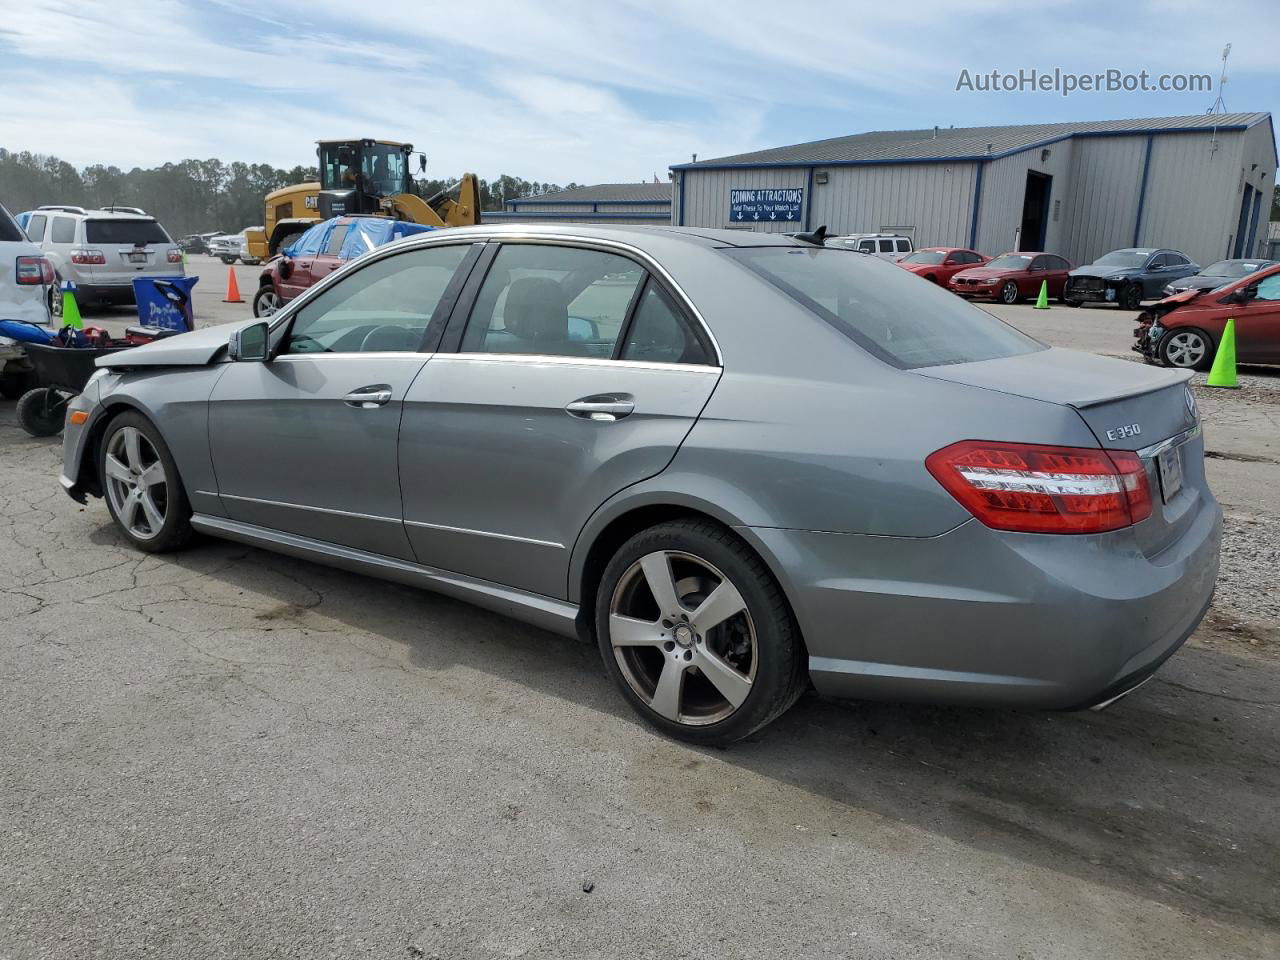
[176,400]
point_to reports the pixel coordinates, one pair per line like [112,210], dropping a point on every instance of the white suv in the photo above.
[25,281]
[887,246]
[101,251]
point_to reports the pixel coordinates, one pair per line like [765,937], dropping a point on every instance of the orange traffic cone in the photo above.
[233,289]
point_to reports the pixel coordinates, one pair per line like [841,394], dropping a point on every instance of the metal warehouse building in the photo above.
[1201,184]
[603,203]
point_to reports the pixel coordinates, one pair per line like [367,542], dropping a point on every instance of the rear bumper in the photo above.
[984,618]
[105,292]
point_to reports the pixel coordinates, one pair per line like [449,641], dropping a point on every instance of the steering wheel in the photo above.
[388,336]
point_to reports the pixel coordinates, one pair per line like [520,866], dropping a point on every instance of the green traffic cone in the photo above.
[1223,372]
[1042,301]
[71,312]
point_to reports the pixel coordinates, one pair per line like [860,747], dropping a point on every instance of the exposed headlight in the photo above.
[1156,332]
[1115,279]
[97,375]
[991,280]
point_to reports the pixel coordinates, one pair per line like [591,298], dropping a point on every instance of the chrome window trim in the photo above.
[561,360]
[1155,449]
[414,355]
[570,240]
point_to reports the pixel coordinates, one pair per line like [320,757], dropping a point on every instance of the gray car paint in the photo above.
[812,449]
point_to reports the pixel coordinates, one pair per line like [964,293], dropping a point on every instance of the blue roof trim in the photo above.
[587,214]
[958,158]
[587,203]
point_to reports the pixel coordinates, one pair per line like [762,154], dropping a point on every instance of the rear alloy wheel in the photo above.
[1188,349]
[1009,293]
[143,491]
[266,301]
[696,633]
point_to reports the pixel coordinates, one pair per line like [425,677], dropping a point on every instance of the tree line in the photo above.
[191,196]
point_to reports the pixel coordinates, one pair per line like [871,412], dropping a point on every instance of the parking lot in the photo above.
[226,752]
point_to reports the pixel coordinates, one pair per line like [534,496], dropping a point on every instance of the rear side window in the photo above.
[64,230]
[886,246]
[137,233]
[904,245]
[553,301]
[660,333]
[885,310]
[35,227]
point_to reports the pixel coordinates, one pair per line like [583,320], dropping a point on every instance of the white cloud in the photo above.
[570,90]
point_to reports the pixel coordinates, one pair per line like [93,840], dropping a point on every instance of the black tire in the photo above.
[1178,348]
[1130,297]
[42,412]
[227,260]
[260,305]
[779,666]
[175,530]
[931,278]
[1009,293]
[1073,303]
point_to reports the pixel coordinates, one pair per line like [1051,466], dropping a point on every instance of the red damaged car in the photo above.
[1184,330]
[939,264]
[1012,277]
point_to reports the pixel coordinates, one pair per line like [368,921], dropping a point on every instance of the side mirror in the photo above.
[251,342]
[1244,296]
[948,263]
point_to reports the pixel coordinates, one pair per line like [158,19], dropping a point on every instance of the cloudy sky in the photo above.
[582,90]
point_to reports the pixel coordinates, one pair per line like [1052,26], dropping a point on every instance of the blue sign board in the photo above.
[755,206]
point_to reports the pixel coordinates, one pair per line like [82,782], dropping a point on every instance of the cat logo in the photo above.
[312,203]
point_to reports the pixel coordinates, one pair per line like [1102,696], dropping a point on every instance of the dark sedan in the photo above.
[1127,277]
[1217,275]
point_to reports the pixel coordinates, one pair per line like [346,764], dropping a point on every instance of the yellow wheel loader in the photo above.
[365,177]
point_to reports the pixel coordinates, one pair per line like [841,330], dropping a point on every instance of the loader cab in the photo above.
[356,175]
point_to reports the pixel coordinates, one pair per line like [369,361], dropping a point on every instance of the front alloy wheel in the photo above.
[1187,349]
[1009,293]
[141,484]
[136,483]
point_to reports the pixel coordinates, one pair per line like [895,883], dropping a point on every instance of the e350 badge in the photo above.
[1125,432]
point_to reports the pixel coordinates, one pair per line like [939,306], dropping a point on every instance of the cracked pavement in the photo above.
[229,753]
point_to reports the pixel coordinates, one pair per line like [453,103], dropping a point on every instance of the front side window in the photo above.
[1269,287]
[886,246]
[660,333]
[385,306]
[338,235]
[867,246]
[311,242]
[904,246]
[553,301]
[64,230]
[885,310]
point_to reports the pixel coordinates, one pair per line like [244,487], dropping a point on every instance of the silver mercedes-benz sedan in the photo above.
[739,462]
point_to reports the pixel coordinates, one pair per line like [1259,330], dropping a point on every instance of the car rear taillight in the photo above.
[1041,489]
[88,257]
[31,271]
[175,256]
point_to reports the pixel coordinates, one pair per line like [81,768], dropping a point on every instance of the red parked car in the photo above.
[940,264]
[1184,330]
[1012,277]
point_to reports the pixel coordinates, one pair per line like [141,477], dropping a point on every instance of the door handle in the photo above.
[604,408]
[377,395]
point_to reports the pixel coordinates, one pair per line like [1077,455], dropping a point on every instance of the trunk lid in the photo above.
[1127,406]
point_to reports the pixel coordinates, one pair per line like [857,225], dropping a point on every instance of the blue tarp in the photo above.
[165,302]
[362,235]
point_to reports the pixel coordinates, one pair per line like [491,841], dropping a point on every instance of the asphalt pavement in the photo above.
[229,753]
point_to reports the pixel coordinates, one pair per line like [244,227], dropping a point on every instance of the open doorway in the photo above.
[1035,211]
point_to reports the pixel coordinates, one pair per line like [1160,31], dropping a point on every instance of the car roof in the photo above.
[637,234]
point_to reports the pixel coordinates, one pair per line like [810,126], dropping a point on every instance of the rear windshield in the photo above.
[9,230]
[136,232]
[930,257]
[886,311]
